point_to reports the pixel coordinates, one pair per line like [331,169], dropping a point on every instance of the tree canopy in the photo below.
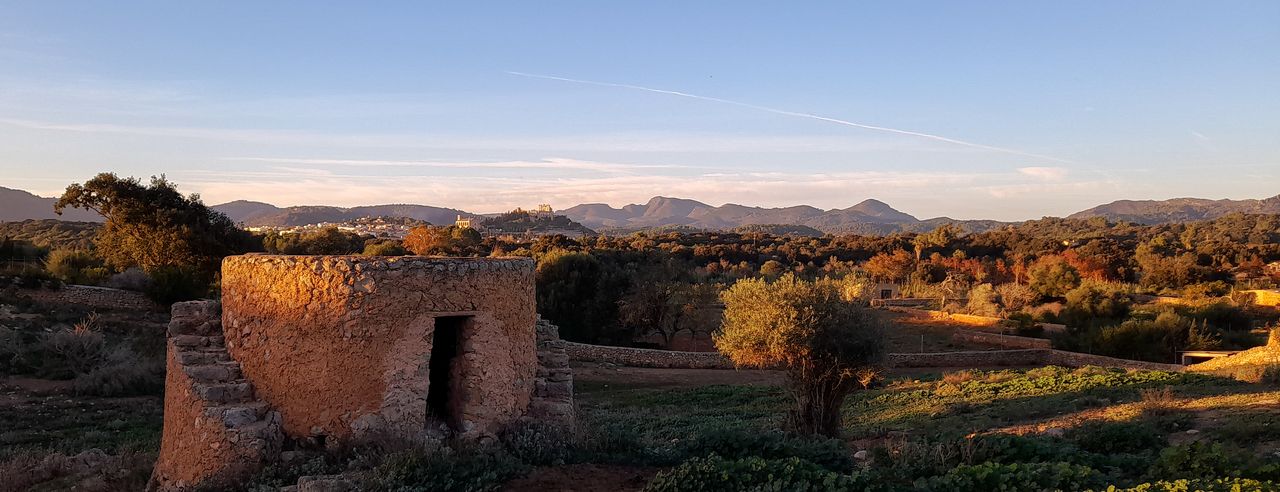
[154,226]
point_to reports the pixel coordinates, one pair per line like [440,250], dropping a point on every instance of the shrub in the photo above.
[75,267]
[15,351]
[539,443]
[1014,476]
[982,301]
[122,373]
[131,279]
[715,473]
[735,443]
[445,470]
[1052,276]
[172,284]
[1117,437]
[72,352]
[385,248]
[1197,460]
[1158,400]
[1093,301]
[1015,297]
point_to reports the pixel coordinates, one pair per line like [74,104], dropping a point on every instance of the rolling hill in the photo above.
[263,214]
[1178,209]
[867,217]
[18,205]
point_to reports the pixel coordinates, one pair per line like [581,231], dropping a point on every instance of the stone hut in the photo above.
[328,351]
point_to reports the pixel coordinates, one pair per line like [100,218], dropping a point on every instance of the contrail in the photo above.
[797,114]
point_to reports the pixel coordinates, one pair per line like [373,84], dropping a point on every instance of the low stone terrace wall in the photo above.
[1077,359]
[95,297]
[972,358]
[999,340]
[970,319]
[638,357]
[667,359]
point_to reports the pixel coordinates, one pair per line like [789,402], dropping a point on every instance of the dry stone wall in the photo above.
[553,384]
[216,432]
[341,345]
[1001,340]
[973,358]
[636,357]
[95,297]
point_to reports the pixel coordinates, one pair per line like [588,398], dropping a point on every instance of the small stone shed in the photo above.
[328,351]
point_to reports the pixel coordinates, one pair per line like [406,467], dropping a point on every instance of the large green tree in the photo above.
[153,226]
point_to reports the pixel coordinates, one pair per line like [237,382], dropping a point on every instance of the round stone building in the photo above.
[332,350]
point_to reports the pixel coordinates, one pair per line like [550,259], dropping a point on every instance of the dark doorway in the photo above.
[445,344]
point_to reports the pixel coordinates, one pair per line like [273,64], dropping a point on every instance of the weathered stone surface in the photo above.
[636,357]
[1001,340]
[332,350]
[206,442]
[330,341]
[553,384]
[96,297]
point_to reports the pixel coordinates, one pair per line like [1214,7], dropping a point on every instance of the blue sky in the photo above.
[1014,110]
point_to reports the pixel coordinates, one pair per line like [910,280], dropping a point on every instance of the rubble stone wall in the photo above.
[340,345]
[639,357]
[1001,340]
[97,297]
[553,385]
[636,357]
[215,432]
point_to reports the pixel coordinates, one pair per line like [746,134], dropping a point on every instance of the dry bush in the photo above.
[76,351]
[90,471]
[122,373]
[132,279]
[1158,400]
[957,377]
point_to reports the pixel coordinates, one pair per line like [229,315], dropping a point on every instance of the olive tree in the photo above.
[827,344]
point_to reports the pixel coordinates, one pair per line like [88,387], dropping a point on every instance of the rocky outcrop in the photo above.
[215,431]
[553,384]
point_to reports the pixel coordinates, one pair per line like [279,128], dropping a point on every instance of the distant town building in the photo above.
[463,222]
[544,212]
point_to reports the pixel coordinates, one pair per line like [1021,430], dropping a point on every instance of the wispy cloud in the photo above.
[1045,173]
[556,163]
[798,114]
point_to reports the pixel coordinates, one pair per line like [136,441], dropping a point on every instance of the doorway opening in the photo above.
[443,384]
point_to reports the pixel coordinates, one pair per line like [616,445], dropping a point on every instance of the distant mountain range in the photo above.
[1178,209]
[16,205]
[867,217]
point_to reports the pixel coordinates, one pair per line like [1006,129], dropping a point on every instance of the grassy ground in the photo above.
[1118,422]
